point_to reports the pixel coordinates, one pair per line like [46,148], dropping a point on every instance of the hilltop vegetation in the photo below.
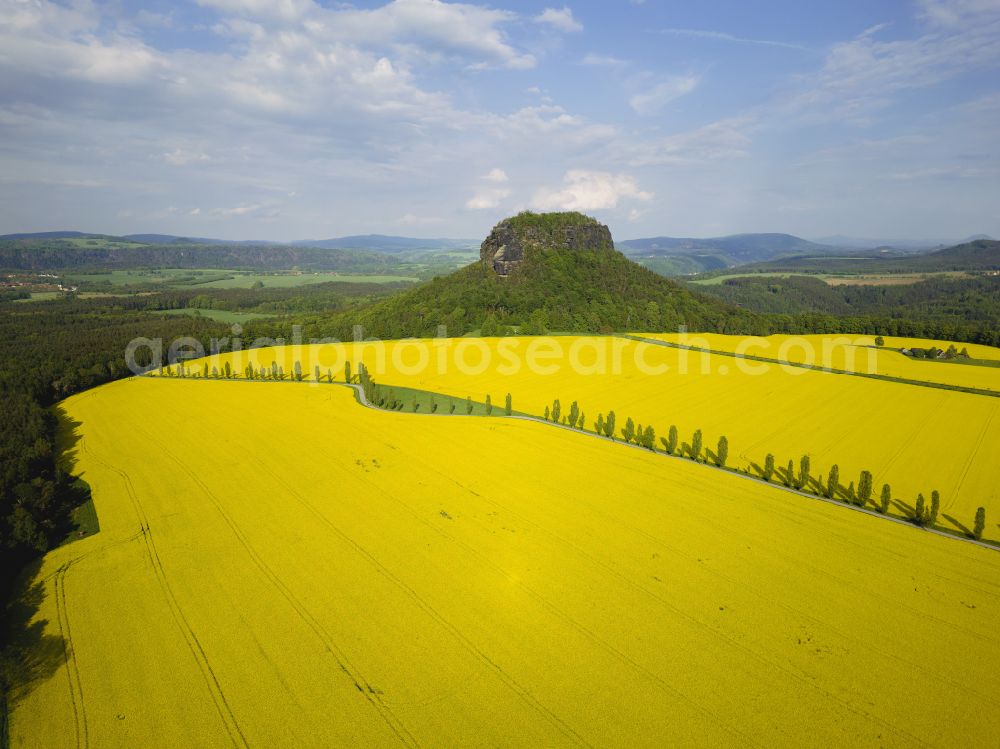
[551,290]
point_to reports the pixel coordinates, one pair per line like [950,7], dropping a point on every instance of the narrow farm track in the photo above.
[360,683]
[195,647]
[69,656]
[345,576]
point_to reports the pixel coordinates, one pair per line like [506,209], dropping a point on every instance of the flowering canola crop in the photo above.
[917,439]
[278,566]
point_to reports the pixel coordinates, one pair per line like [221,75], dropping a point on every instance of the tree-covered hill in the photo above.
[590,289]
[978,255]
[966,309]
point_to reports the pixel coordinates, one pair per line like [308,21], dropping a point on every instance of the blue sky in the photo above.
[288,119]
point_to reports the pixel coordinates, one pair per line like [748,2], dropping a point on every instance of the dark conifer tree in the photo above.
[722,452]
[980,524]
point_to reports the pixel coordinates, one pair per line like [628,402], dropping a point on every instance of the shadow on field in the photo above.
[79,518]
[905,508]
[31,654]
[67,437]
[964,529]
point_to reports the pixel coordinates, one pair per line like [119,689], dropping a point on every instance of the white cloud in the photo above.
[485,199]
[469,31]
[605,61]
[584,190]
[283,10]
[561,19]
[654,99]
[495,175]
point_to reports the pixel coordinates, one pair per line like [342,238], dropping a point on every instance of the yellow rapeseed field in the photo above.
[854,353]
[278,566]
[918,439]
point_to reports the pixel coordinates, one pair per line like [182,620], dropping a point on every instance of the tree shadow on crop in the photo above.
[907,509]
[77,516]
[67,437]
[32,654]
[786,477]
[964,529]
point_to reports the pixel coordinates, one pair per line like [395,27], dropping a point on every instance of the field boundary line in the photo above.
[815,368]
[360,397]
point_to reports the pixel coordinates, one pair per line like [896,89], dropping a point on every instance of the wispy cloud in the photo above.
[561,19]
[722,36]
[655,98]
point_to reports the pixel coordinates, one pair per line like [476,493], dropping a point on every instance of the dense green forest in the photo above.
[606,292]
[963,309]
[44,255]
[47,352]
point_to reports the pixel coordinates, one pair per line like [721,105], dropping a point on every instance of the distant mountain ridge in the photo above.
[388,243]
[747,248]
[369,242]
[978,255]
[911,245]
[678,256]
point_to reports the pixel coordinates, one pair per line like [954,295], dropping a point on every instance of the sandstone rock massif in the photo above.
[506,246]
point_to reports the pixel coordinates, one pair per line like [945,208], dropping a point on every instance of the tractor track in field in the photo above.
[363,686]
[973,453]
[804,615]
[69,656]
[229,722]
[601,644]
[521,691]
[698,623]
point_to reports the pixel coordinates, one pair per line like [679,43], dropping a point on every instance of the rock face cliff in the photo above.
[506,246]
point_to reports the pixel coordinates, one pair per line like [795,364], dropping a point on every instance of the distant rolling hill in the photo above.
[368,242]
[978,255]
[387,243]
[688,255]
[906,245]
[41,235]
